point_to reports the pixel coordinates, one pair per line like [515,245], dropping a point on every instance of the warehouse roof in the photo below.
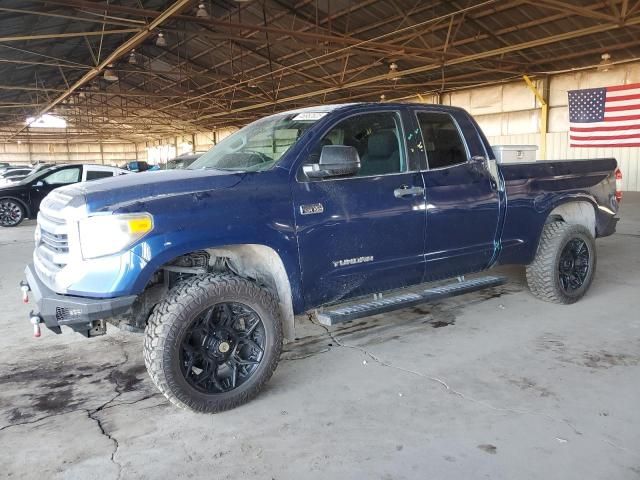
[217,63]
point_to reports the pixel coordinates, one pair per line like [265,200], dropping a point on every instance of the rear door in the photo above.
[463,203]
[363,233]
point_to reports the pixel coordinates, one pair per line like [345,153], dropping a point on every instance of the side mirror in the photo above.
[335,161]
[38,184]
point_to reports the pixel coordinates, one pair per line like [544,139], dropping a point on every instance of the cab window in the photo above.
[97,174]
[63,177]
[376,137]
[441,140]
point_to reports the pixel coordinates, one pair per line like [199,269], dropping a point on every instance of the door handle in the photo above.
[407,191]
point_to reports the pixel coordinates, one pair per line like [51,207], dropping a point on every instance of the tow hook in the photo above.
[24,287]
[35,320]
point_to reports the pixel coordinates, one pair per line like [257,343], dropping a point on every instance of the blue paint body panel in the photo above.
[466,219]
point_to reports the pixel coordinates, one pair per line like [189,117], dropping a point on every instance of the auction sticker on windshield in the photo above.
[309,116]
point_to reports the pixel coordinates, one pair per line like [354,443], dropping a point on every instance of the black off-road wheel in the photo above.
[213,343]
[11,212]
[565,263]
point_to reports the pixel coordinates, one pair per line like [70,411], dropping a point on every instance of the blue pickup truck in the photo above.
[317,210]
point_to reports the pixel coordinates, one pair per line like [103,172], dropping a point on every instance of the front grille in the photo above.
[53,248]
[57,242]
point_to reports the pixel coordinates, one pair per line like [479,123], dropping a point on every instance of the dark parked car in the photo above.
[22,199]
[182,161]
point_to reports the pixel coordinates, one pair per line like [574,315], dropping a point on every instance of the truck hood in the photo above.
[138,188]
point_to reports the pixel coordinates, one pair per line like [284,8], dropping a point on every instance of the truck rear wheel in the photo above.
[565,263]
[213,343]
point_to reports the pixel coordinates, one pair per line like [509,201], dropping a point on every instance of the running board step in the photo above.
[403,300]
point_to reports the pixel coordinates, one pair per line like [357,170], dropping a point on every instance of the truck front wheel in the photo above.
[565,263]
[213,342]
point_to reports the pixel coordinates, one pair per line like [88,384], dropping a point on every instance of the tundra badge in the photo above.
[352,261]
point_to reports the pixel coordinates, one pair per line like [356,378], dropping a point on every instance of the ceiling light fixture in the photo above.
[132,58]
[606,63]
[160,40]
[202,11]
[393,70]
[109,75]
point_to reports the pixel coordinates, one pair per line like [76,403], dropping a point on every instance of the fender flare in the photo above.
[578,211]
[264,265]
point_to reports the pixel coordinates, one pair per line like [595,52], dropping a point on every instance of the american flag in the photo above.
[605,117]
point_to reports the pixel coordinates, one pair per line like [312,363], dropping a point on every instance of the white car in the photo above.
[14,175]
[20,200]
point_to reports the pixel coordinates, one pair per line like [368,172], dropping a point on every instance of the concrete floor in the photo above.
[491,385]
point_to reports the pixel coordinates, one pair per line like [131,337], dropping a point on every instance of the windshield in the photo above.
[259,145]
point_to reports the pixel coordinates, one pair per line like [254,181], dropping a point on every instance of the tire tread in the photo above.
[541,273]
[163,325]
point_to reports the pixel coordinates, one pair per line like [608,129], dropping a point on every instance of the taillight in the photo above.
[618,185]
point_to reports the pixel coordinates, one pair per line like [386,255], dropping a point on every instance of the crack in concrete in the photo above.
[92,413]
[146,397]
[39,419]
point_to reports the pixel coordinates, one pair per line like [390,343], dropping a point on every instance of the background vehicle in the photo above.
[14,175]
[22,199]
[182,161]
[139,166]
[6,166]
[300,211]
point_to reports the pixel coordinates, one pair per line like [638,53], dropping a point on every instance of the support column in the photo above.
[544,112]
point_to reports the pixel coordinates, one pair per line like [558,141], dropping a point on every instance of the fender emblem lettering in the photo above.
[311,209]
[352,261]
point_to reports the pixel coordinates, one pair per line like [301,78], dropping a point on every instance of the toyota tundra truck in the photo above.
[339,212]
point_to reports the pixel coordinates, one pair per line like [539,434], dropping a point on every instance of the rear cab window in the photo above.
[97,174]
[442,142]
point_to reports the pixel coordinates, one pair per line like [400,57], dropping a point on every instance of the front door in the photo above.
[363,233]
[463,204]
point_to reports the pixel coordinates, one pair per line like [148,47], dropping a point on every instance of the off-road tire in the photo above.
[543,273]
[15,204]
[171,319]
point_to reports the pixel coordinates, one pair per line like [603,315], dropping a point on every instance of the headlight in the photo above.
[108,234]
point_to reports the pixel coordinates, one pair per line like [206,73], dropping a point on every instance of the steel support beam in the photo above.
[122,50]
[544,115]
[430,67]
[49,36]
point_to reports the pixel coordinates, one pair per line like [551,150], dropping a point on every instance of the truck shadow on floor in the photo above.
[393,325]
